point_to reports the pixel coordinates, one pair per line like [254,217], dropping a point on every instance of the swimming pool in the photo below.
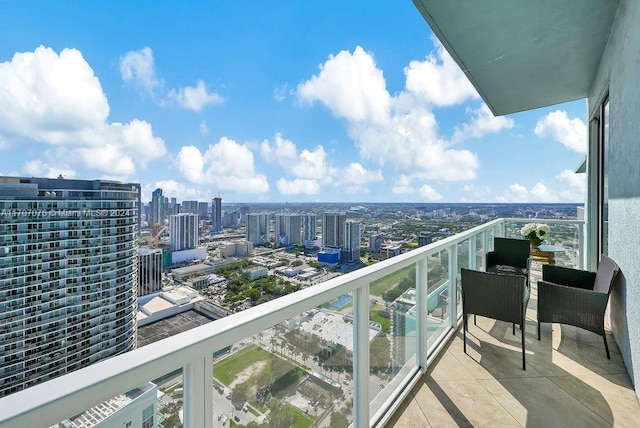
[341,302]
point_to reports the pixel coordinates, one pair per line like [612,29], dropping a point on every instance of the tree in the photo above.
[240,394]
[339,420]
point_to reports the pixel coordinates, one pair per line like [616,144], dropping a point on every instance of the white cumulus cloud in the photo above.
[572,133]
[224,166]
[482,123]
[518,193]
[194,97]
[428,193]
[56,100]
[351,86]
[403,185]
[298,186]
[573,186]
[37,168]
[138,68]
[438,80]
[400,130]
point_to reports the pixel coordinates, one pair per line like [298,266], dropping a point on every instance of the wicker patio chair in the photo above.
[576,297]
[498,296]
[510,256]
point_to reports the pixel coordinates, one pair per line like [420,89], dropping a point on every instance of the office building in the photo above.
[424,239]
[288,229]
[352,238]
[68,276]
[157,212]
[309,230]
[189,207]
[375,242]
[203,210]
[258,229]
[216,209]
[149,271]
[183,231]
[244,210]
[333,229]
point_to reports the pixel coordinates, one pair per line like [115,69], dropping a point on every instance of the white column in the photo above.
[198,392]
[361,357]
[422,312]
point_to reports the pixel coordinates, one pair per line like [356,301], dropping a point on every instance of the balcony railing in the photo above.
[369,369]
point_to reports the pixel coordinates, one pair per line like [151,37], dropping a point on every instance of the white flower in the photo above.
[543,231]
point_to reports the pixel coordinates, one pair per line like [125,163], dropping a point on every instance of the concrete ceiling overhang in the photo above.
[524,54]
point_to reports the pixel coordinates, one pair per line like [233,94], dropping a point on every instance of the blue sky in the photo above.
[275,101]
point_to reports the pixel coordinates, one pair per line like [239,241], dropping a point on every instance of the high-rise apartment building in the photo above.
[149,271]
[309,230]
[216,212]
[258,229]
[230,218]
[333,229]
[352,238]
[203,210]
[288,229]
[189,207]
[68,276]
[157,213]
[183,231]
[244,210]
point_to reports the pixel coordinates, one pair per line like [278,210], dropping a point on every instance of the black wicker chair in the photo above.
[576,297]
[498,296]
[510,256]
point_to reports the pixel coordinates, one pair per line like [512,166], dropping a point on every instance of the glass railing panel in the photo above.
[392,333]
[480,252]
[438,292]
[297,373]
[159,401]
[565,235]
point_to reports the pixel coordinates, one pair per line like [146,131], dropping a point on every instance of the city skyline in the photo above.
[335,104]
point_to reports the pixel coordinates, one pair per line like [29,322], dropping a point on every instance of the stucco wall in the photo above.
[620,72]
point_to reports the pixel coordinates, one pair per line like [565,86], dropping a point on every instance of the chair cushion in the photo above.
[607,270]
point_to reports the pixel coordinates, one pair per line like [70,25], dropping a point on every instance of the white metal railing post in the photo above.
[361,356]
[198,393]
[485,248]
[453,286]
[581,246]
[422,312]
[473,252]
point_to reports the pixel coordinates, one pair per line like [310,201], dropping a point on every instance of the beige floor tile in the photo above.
[542,403]
[461,403]
[610,396]
[409,416]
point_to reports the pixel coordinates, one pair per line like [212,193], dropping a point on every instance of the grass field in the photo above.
[229,368]
[302,420]
[383,284]
[384,322]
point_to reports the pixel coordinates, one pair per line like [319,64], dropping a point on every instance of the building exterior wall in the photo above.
[216,214]
[309,229]
[333,229]
[183,231]
[68,276]
[149,271]
[288,229]
[618,74]
[352,241]
[258,229]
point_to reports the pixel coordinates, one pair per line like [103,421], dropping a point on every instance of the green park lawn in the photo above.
[383,284]
[229,368]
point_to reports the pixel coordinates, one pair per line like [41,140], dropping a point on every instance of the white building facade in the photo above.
[183,231]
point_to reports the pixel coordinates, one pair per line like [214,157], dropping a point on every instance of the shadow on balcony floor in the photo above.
[569,382]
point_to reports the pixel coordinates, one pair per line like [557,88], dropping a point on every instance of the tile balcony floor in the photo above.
[569,382]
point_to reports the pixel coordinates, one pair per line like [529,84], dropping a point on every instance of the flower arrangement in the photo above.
[535,232]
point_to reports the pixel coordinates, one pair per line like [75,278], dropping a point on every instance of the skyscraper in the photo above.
[189,207]
[244,210]
[157,208]
[203,210]
[68,275]
[183,231]
[333,229]
[258,229]
[216,209]
[149,271]
[288,229]
[352,237]
[309,230]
